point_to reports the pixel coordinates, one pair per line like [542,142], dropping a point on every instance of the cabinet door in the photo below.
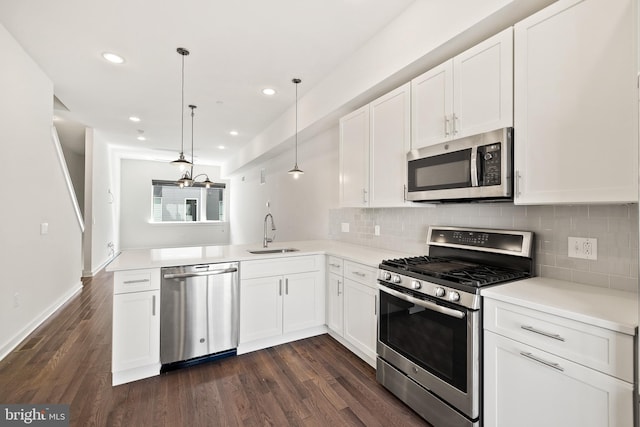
[360,316]
[136,330]
[483,86]
[390,140]
[575,116]
[301,306]
[354,158]
[527,387]
[335,303]
[260,308]
[432,106]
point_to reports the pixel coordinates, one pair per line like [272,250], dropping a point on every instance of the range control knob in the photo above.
[396,279]
[454,296]
[439,292]
[385,275]
[416,284]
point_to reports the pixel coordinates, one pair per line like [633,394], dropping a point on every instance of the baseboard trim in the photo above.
[281,339]
[11,345]
[92,273]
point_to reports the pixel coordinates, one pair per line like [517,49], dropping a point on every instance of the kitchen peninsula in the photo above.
[269,314]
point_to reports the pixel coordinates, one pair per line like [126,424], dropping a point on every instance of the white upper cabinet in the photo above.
[354,158]
[576,111]
[390,140]
[432,106]
[374,141]
[469,94]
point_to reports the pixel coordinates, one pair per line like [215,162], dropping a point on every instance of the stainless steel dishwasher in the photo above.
[199,313]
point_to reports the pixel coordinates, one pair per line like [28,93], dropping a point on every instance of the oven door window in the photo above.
[450,170]
[437,342]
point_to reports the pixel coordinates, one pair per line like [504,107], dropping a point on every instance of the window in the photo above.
[170,203]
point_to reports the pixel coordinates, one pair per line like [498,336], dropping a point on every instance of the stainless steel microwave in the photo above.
[475,168]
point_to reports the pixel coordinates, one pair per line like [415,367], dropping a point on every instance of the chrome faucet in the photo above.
[266,240]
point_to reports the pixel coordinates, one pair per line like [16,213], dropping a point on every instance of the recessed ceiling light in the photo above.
[221,147]
[134,119]
[142,138]
[268,91]
[112,57]
[233,133]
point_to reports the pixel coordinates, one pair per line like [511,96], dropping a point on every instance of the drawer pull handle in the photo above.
[546,334]
[131,282]
[357,273]
[544,362]
[335,265]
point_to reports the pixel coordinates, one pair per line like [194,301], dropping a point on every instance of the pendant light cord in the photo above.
[193,107]
[182,112]
[296,123]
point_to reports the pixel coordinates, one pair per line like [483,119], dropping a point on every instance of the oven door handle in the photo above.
[426,304]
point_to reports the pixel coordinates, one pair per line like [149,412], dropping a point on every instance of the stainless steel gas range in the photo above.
[430,322]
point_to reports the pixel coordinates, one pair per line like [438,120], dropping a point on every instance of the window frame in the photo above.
[202,206]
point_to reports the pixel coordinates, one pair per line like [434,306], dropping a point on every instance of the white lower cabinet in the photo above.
[287,304]
[527,387]
[545,370]
[136,325]
[360,317]
[352,298]
[335,303]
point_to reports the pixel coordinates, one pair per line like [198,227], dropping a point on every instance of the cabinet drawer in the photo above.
[527,387]
[360,273]
[136,280]
[335,265]
[598,348]
[280,266]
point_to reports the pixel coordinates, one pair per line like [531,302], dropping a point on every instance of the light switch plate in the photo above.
[44,228]
[345,227]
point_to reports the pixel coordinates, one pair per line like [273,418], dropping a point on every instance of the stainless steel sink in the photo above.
[272,250]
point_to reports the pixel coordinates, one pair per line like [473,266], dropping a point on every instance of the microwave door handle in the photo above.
[474,166]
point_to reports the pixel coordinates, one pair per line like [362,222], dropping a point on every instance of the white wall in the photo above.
[300,206]
[424,35]
[101,202]
[135,205]
[39,272]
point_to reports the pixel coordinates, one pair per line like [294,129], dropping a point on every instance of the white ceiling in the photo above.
[237,48]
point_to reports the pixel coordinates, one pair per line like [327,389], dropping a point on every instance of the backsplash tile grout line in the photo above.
[615,227]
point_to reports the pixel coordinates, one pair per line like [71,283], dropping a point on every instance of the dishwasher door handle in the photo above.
[199,273]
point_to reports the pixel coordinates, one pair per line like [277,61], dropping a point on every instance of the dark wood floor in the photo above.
[311,382]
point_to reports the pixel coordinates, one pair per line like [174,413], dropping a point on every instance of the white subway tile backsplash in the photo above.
[615,227]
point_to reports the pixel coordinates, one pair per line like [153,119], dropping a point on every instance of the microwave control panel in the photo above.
[490,160]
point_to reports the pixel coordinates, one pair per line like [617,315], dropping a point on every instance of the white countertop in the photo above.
[134,259]
[604,307]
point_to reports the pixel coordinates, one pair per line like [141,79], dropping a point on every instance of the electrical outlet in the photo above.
[376,230]
[345,227]
[44,228]
[581,247]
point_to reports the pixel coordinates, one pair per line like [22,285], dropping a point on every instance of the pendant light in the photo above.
[187,178]
[182,163]
[296,171]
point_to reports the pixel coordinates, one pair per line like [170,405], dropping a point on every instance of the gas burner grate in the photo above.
[454,270]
